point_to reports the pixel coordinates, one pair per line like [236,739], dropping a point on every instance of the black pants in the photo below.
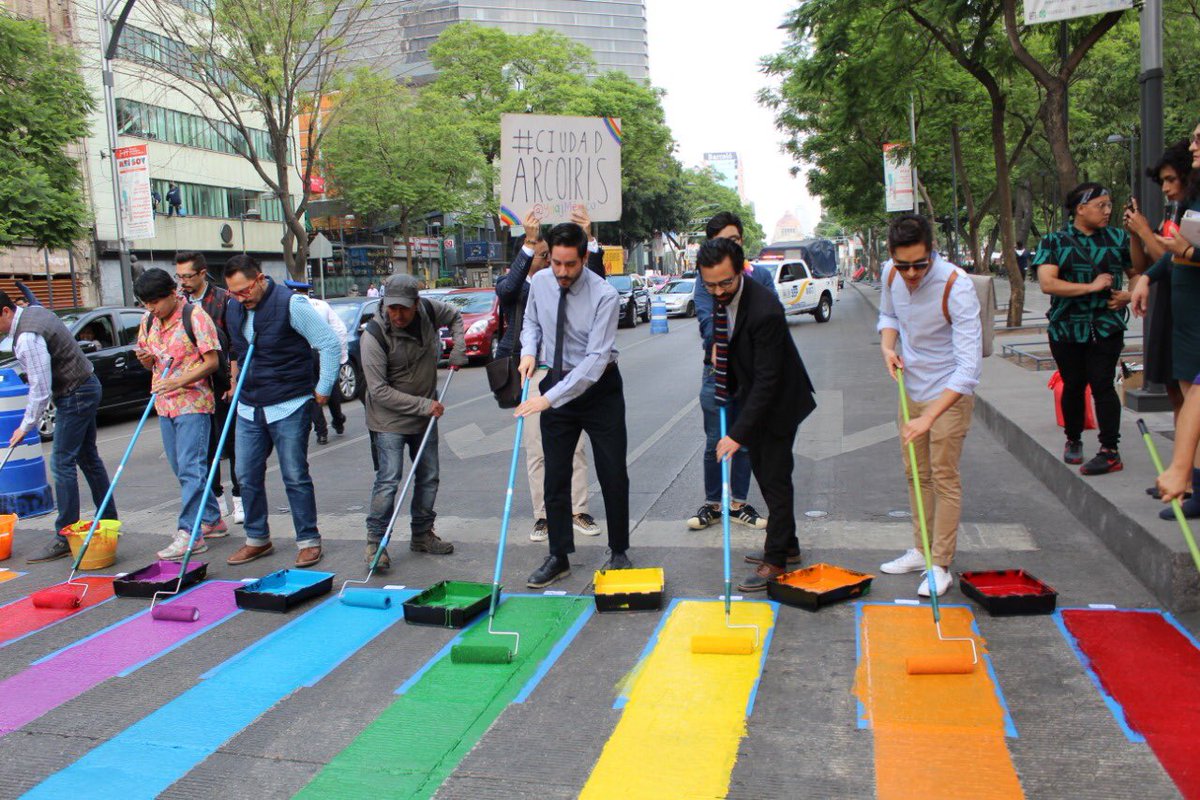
[600,412]
[771,461]
[223,411]
[1092,364]
[335,405]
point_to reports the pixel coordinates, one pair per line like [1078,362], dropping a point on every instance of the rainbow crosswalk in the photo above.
[680,718]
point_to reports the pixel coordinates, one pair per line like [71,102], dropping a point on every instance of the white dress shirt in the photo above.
[34,357]
[334,321]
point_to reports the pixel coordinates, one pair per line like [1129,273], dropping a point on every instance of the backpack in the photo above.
[376,330]
[985,290]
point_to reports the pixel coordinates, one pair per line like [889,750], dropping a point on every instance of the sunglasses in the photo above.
[911,266]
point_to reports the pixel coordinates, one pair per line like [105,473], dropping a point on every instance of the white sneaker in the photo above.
[911,561]
[941,578]
[179,546]
[239,516]
[223,505]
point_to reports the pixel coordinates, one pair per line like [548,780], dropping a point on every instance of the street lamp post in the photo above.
[249,213]
[1131,140]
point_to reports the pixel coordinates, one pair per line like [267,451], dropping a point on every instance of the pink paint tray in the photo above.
[1008,592]
[158,577]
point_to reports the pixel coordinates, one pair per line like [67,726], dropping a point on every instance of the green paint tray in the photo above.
[630,589]
[448,604]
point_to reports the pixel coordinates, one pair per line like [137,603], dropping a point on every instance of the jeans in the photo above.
[390,449]
[75,444]
[335,404]
[185,441]
[1083,364]
[289,438]
[739,470]
[224,411]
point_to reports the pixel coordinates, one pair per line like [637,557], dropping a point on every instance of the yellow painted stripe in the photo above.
[799,292]
[8,575]
[935,735]
[679,733]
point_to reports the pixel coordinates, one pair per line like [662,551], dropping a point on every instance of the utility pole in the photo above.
[110,35]
[1151,80]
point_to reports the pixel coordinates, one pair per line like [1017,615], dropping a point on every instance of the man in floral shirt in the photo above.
[185,401]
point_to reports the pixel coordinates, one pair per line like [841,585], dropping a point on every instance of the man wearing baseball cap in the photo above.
[400,349]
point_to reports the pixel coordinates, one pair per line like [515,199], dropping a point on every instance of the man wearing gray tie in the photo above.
[570,325]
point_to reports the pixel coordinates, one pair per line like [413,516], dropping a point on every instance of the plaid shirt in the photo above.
[169,339]
[1081,257]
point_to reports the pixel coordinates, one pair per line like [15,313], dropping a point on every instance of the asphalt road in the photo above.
[802,738]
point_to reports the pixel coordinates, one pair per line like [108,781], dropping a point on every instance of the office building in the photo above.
[729,171]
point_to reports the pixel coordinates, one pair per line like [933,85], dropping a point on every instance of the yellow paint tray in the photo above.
[630,589]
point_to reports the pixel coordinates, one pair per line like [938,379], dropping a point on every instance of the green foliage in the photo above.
[44,106]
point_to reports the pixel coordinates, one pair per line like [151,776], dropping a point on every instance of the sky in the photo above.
[705,55]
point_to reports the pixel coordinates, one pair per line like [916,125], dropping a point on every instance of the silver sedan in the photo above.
[677,295]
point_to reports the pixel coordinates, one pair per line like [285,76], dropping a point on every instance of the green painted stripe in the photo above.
[419,739]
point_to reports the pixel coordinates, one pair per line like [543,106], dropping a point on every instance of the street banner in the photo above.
[898,177]
[1056,10]
[137,206]
[548,164]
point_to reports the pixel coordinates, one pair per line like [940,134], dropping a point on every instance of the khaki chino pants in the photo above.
[535,462]
[938,454]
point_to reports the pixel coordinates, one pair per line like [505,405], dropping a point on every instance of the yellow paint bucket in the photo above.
[102,551]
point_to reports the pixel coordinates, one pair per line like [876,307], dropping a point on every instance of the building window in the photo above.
[199,200]
[153,122]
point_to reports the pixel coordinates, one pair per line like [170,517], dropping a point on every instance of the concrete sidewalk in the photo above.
[1017,407]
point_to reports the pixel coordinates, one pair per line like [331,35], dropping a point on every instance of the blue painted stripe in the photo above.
[766,646]
[1113,706]
[1175,624]
[651,643]
[554,653]
[149,756]
[863,723]
[1010,727]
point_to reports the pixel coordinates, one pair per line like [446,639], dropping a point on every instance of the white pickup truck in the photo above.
[799,290]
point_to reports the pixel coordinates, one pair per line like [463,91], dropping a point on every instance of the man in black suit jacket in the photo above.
[765,377]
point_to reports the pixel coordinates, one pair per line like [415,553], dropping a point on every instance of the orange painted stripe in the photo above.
[935,735]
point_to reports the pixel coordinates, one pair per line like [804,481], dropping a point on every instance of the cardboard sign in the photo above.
[548,164]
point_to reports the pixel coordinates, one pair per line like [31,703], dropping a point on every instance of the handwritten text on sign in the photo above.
[549,164]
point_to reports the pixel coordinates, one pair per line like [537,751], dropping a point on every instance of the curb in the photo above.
[1156,556]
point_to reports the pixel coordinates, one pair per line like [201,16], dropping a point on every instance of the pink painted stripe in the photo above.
[49,683]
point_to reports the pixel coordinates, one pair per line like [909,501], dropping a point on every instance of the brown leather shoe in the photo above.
[248,552]
[308,556]
[761,577]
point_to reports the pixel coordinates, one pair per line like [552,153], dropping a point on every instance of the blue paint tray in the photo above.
[161,576]
[283,590]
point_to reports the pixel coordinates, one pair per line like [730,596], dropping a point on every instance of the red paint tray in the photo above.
[820,585]
[161,576]
[1008,592]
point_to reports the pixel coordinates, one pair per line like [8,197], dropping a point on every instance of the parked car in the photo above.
[354,312]
[800,290]
[677,296]
[635,299]
[482,326]
[107,336]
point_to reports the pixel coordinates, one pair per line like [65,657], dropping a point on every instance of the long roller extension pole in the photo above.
[1175,504]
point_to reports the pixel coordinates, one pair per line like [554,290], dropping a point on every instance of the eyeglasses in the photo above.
[185,276]
[911,266]
[244,293]
[725,284]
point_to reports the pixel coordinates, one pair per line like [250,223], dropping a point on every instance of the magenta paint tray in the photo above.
[283,590]
[1008,592]
[161,576]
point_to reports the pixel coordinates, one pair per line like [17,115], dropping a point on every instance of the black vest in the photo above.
[69,367]
[282,366]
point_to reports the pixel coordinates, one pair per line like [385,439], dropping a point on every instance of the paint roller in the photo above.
[932,663]
[175,612]
[1175,506]
[374,598]
[498,654]
[70,594]
[735,641]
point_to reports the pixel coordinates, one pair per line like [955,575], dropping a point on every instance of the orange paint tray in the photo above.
[630,589]
[818,585]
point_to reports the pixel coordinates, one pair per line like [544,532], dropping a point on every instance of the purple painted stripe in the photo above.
[138,640]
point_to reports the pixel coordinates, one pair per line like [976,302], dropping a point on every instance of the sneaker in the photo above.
[1190,507]
[1157,495]
[912,561]
[385,562]
[430,543]
[250,552]
[223,505]
[179,545]
[239,513]
[554,568]
[53,551]
[746,515]
[706,516]
[941,577]
[793,556]
[339,427]
[1104,462]
[540,532]
[323,438]
[586,524]
[218,530]
[1073,452]
[758,581]
[308,557]
[616,561]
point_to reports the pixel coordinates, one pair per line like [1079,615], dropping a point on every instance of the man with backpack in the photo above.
[929,322]
[181,335]
[400,349]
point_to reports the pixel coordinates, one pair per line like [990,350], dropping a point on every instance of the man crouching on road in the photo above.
[400,350]
[933,314]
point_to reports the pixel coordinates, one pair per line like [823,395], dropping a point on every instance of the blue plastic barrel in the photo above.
[23,487]
[658,316]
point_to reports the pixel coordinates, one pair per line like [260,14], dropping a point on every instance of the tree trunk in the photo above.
[1023,211]
[930,211]
[1055,123]
[408,245]
[1008,243]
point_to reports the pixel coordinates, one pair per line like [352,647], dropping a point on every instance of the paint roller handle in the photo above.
[1142,429]
[508,498]
[725,501]
[916,478]
[1176,507]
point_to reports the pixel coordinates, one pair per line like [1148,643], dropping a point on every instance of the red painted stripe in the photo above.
[21,617]
[1153,671]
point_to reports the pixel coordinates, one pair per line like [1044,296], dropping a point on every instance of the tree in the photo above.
[703,196]
[399,154]
[44,106]
[263,63]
